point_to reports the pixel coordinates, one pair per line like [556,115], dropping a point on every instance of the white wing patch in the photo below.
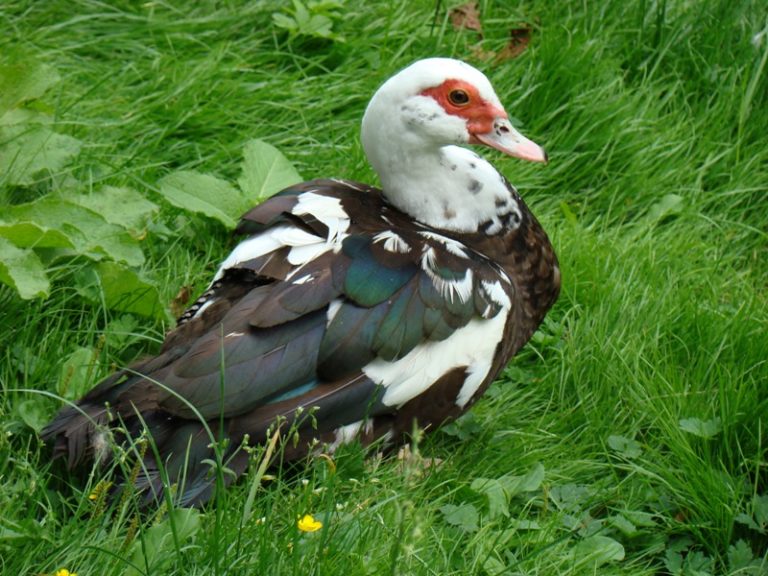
[496,293]
[333,309]
[326,209]
[392,242]
[305,246]
[203,306]
[330,212]
[473,346]
[300,255]
[453,246]
[448,289]
[250,249]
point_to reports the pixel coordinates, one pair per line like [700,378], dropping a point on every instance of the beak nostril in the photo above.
[504,129]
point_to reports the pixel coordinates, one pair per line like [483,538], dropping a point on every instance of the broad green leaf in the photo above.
[626,447]
[26,157]
[757,520]
[27,528]
[24,81]
[325,5]
[598,549]
[187,522]
[464,516]
[87,284]
[122,206]
[8,535]
[493,566]
[673,561]
[77,373]
[570,497]
[265,171]
[497,498]
[499,491]
[669,205]
[319,25]
[286,22]
[464,427]
[205,195]
[20,121]
[701,428]
[301,13]
[126,291]
[748,521]
[760,509]
[121,332]
[514,485]
[88,232]
[524,524]
[740,556]
[33,413]
[33,235]
[639,518]
[623,524]
[21,269]
[155,548]
[697,564]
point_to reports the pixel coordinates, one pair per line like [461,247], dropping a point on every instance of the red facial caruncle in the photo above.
[487,123]
[460,98]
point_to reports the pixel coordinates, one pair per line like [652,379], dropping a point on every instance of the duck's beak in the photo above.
[504,138]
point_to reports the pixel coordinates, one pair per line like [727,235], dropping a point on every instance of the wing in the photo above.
[337,297]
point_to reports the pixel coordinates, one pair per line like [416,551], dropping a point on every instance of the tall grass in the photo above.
[642,397]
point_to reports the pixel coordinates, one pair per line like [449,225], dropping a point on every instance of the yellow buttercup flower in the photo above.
[309,524]
[64,572]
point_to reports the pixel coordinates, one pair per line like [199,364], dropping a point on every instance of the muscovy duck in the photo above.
[348,311]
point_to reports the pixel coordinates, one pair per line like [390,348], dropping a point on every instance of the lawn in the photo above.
[626,438]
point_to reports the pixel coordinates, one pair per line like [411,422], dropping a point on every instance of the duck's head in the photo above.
[440,102]
[411,129]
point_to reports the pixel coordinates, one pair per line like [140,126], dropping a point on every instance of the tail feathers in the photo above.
[194,486]
[77,433]
[81,434]
[188,464]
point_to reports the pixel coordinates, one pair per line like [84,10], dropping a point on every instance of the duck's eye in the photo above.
[458,97]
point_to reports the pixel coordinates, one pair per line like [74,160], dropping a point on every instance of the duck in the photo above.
[346,312]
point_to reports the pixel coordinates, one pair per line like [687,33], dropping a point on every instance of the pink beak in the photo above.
[504,138]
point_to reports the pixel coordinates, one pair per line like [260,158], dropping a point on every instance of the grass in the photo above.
[643,396]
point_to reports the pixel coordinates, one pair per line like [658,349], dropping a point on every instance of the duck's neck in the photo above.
[446,187]
[443,186]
